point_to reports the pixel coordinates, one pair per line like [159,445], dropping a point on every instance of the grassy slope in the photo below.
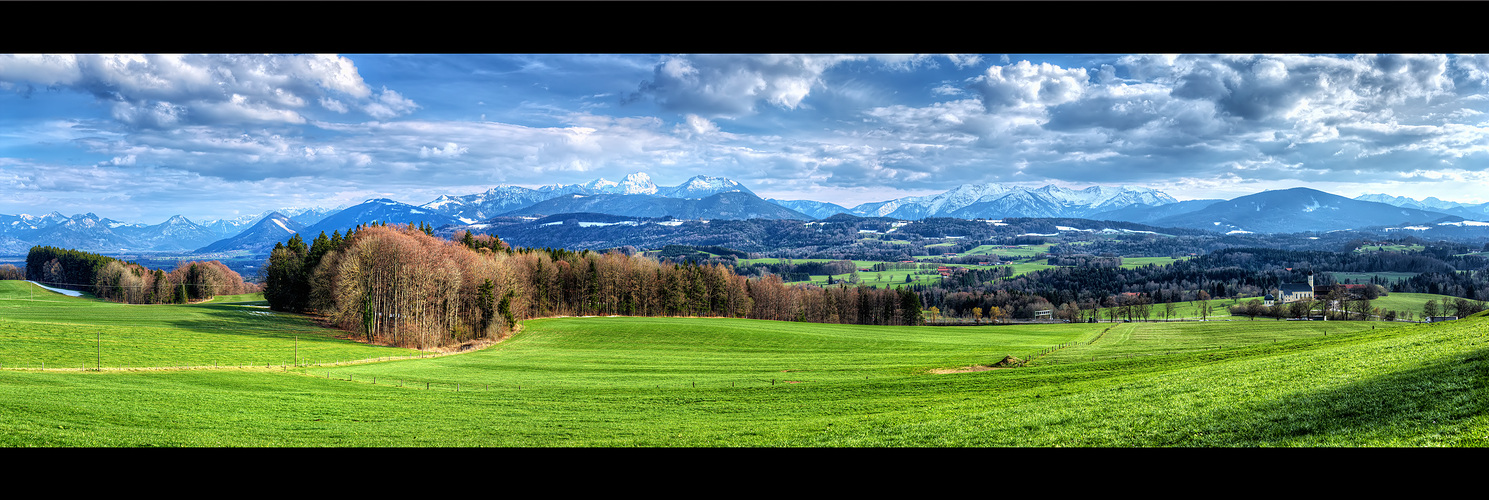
[630,382]
[66,332]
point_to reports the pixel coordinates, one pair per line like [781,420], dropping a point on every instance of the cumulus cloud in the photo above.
[1029,85]
[165,90]
[1147,117]
[451,150]
[732,85]
[796,123]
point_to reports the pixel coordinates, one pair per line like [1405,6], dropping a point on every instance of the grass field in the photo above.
[1413,302]
[1021,251]
[55,331]
[1390,248]
[721,382]
[1365,277]
[1135,262]
[1219,308]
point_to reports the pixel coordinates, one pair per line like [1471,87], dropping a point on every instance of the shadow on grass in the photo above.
[226,319]
[1428,405]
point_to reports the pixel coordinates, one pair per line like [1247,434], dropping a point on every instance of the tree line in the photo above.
[128,282]
[401,285]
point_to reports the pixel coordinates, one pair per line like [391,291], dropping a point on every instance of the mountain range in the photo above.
[713,198]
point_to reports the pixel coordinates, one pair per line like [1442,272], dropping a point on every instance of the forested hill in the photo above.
[840,236]
[1232,272]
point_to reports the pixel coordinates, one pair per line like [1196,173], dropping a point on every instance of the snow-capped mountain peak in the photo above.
[638,183]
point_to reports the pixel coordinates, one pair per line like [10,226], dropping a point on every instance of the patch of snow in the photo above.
[1464,223]
[670,223]
[69,293]
[552,223]
[1242,231]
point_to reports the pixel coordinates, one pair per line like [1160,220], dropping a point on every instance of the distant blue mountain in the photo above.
[1297,210]
[378,210]
[259,238]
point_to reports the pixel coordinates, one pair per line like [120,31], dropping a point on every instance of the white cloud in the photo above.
[700,125]
[164,90]
[389,104]
[451,150]
[333,105]
[965,60]
[1028,85]
[731,85]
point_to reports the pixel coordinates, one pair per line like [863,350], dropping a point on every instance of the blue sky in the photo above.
[143,137]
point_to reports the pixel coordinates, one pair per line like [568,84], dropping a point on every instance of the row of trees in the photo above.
[190,281]
[402,286]
[1459,307]
[128,282]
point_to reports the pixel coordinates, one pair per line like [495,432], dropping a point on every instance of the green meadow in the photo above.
[663,382]
[55,331]
[1135,262]
[1388,276]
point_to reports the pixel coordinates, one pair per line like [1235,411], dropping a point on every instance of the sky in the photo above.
[139,138]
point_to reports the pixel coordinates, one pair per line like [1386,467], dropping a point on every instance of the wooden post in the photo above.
[100,351]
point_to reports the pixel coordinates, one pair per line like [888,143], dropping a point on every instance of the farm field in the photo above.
[723,382]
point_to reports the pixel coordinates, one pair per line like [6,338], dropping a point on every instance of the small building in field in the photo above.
[1293,292]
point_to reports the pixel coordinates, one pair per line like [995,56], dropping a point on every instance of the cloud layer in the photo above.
[90,132]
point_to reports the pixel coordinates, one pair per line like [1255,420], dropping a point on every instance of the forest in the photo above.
[112,279]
